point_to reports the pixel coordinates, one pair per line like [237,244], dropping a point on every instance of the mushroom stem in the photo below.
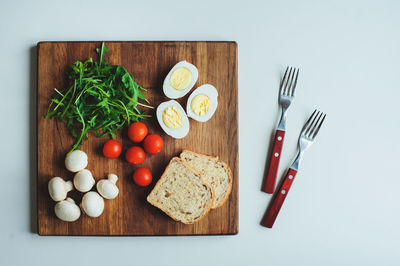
[69,186]
[113,178]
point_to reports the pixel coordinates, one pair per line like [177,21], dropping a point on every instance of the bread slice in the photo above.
[182,193]
[214,171]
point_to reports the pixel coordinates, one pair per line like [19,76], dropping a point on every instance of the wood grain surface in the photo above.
[149,62]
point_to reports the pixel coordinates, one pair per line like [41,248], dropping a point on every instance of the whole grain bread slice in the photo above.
[214,171]
[182,193]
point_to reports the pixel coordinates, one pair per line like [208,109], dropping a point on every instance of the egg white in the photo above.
[177,133]
[212,93]
[172,93]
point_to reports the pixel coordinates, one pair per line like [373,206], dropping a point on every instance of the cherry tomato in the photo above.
[142,177]
[112,149]
[135,155]
[153,144]
[137,131]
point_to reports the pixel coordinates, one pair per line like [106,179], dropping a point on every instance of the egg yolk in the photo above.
[200,104]
[172,118]
[181,78]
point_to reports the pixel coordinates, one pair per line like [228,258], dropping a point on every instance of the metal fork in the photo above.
[307,137]
[286,96]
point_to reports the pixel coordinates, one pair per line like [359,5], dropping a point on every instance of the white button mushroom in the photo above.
[76,161]
[67,210]
[58,188]
[92,204]
[107,187]
[83,180]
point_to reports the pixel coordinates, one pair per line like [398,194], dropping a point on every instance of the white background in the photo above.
[343,208]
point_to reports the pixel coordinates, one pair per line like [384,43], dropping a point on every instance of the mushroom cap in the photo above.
[83,180]
[76,161]
[67,210]
[58,188]
[92,204]
[107,189]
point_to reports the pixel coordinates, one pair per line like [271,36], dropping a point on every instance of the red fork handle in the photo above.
[269,186]
[277,202]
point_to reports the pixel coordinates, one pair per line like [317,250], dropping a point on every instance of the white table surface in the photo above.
[343,208]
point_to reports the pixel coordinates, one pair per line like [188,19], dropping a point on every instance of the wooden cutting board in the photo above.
[149,62]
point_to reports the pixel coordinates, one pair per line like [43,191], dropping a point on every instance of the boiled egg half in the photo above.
[173,119]
[202,103]
[180,80]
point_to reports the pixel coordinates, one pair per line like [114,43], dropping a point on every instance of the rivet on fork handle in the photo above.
[277,202]
[269,186]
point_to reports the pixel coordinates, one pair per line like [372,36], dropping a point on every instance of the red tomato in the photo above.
[142,177]
[112,149]
[135,155]
[137,131]
[153,144]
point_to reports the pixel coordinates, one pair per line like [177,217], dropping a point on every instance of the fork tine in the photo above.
[310,125]
[306,125]
[289,81]
[295,83]
[283,81]
[313,123]
[318,127]
[290,87]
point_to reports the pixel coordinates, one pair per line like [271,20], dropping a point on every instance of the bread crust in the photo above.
[230,186]
[204,182]
[227,167]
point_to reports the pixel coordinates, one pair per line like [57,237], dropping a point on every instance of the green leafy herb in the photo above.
[100,98]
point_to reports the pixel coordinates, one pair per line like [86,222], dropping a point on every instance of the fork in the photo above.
[286,96]
[307,136]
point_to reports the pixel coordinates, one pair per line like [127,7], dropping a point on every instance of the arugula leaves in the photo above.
[100,98]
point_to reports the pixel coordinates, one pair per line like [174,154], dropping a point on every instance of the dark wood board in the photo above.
[149,62]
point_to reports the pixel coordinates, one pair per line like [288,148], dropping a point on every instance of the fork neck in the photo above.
[282,121]
[295,165]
